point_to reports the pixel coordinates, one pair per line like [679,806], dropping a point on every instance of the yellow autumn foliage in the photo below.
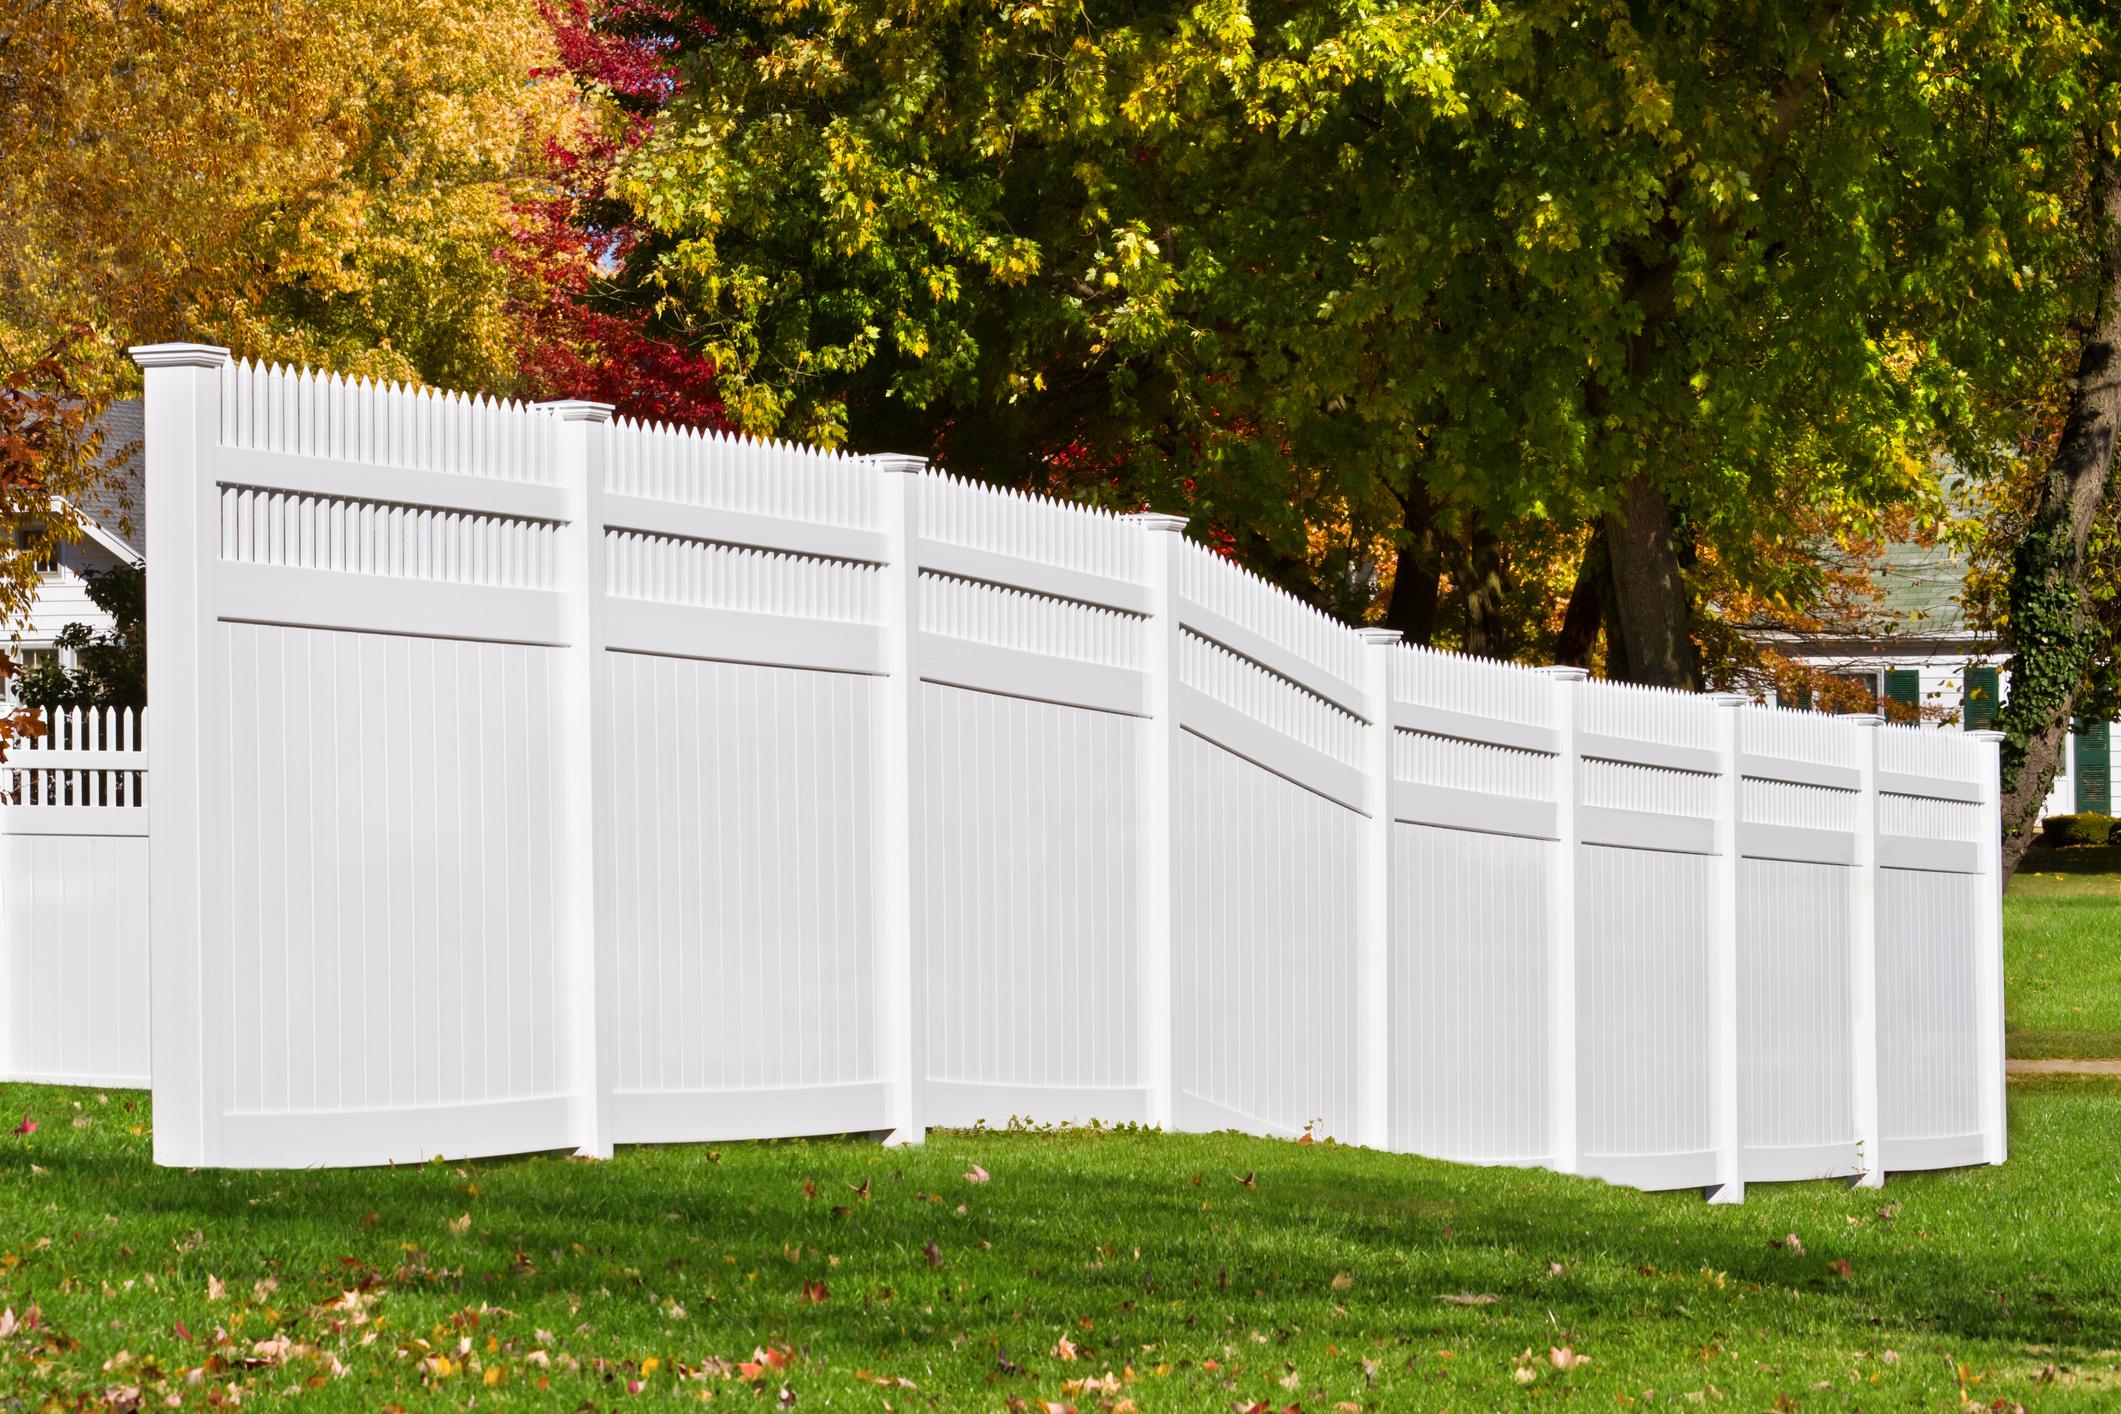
[323,181]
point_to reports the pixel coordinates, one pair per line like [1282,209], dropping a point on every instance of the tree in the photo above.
[48,455]
[579,337]
[324,181]
[110,667]
[1704,276]
[2061,634]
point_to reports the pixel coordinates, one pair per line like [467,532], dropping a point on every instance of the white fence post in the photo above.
[182,428]
[1988,956]
[1723,959]
[899,1028]
[1863,957]
[580,457]
[1157,817]
[1373,961]
[1562,1099]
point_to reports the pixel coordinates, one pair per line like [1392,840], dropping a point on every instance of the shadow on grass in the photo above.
[1149,1238]
[2078,859]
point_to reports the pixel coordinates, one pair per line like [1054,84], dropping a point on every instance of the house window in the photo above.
[1903,695]
[2095,786]
[1984,699]
[25,659]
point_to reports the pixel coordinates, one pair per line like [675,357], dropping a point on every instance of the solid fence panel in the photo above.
[1474,848]
[1933,1065]
[360,952]
[1028,716]
[1647,919]
[738,742]
[1268,866]
[1799,805]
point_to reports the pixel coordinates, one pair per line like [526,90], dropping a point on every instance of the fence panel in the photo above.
[357,661]
[1029,735]
[1800,812]
[536,780]
[1647,911]
[1268,857]
[738,922]
[1477,774]
[73,903]
[1938,1082]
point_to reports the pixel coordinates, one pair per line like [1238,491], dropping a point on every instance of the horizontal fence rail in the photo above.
[533,779]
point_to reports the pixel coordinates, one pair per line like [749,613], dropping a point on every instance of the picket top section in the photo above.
[1021,525]
[70,731]
[1475,688]
[303,413]
[1270,627]
[729,523]
[85,775]
[722,471]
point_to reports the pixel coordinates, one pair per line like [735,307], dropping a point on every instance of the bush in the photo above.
[2062,831]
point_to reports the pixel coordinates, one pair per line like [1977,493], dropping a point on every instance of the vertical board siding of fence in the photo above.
[739,741]
[1472,795]
[1031,652]
[1269,864]
[366,711]
[1799,802]
[1647,928]
[73,902]
[544,780]
[1934,869]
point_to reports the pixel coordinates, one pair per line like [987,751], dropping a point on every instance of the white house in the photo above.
[1925,656]
[113,532]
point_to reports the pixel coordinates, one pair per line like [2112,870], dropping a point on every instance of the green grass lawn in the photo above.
[1095,1270]
[2062,954]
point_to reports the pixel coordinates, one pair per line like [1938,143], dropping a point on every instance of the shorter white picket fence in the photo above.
[527,779]
[73,902]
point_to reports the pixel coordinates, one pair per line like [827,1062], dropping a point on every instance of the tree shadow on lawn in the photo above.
[1968,1255]
[2078,859]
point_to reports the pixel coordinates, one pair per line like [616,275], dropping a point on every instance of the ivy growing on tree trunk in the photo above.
[2056,639]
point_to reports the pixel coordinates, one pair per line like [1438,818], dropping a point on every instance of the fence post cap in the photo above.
[902,462]
[1156,520]
[1864,719]
[1728,699]
[575,409]
[179,355]
[1564,672]
[1381,637]
[1985,736]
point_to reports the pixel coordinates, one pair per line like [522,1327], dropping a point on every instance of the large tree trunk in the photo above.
[1649,609]
[1417,581]
[1487,591]
[1585,613]
[2054,636]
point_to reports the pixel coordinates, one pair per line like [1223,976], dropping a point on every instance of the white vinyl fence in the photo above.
[73,903]
[527,779]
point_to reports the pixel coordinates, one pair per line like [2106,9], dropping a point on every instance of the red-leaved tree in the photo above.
[583,335]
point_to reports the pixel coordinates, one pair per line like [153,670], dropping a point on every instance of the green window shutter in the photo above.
[1904,687]
[1984,698]
[2095,788]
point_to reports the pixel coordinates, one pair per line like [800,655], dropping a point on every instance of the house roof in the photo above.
[1923,589]
[114,511]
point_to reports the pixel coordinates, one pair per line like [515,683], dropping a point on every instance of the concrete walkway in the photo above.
[2063,1067]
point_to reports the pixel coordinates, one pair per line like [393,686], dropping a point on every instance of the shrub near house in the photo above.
[2085,828]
